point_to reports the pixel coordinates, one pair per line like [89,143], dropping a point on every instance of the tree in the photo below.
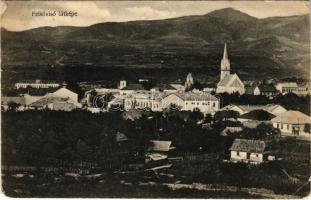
[13,106]
[226,114]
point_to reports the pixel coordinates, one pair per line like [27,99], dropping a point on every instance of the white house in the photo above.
[292,123]
[229,83]
[293,87]
[37,84]
[249,151]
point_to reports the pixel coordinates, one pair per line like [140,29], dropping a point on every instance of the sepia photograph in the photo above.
[155,99]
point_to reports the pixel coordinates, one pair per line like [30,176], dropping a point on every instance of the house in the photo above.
[55,103]
[36,84]
[19,101]
[301,89]
[229,83]
[266,90]
[274,109]
[228,130]
[292,123]
[192,101]
[157,151]
[249,151]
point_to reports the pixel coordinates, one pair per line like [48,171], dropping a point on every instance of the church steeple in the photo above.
[225,64]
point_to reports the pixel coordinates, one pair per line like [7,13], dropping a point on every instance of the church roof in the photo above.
[230,80]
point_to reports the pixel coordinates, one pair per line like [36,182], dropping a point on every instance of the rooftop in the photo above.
[253,146]
[292,117]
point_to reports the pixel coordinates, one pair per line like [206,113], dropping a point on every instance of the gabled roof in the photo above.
[247,108]
[18,100]
[48,99]
[178,86]
[252,146]
[133,87]
[292,117]
[230,80]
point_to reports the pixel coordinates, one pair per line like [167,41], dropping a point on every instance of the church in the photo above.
[229,83]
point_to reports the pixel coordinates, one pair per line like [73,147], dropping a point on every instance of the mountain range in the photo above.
[275,46]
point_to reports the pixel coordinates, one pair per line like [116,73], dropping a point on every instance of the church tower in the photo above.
[225,64]
[189,82]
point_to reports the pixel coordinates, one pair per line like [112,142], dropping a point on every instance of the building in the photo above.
[61,99]
[55,103]
[243,109]
[143,100]
[292,123]
[186,101]
[293,87]
[229,83]
[36,84]
[189,82]
[266,90]
[249,151]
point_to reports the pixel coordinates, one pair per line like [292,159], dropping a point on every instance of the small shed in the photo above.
[249,151]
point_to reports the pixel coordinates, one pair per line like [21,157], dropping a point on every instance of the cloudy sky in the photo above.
[17,15]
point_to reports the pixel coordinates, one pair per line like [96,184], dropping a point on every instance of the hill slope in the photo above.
[277,44]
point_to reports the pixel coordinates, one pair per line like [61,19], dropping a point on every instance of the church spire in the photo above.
[225,64]
[225,56]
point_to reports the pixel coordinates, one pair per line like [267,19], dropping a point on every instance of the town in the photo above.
[178,135]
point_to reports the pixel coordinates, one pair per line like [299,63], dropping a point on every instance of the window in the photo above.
[214,104]
[277,125]
[238,153]
[281,126]
[208,103]
[287,126]
[198,103]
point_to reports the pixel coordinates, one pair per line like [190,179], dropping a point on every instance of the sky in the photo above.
[17,15]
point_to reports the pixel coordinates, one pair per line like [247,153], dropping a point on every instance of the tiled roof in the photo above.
[292,117]
[49,99]
[252,146]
